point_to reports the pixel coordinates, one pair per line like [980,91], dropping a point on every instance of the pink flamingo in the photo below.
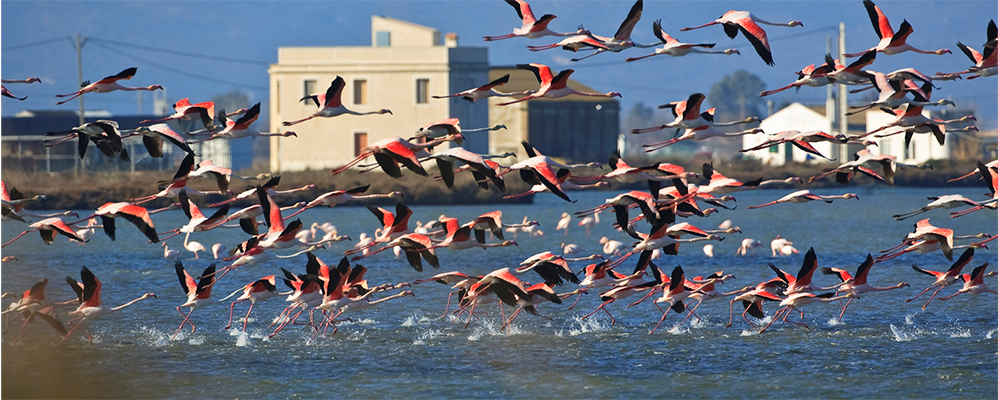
[891,42]
[553,87]
[532,27]
[734,21]
[108,84]
[331,105]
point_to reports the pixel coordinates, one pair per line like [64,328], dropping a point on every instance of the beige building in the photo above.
[405,65]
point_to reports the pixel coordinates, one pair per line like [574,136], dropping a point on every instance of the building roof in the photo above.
[521,79]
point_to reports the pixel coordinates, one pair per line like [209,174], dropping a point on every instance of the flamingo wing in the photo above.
[498,82]
[757,36]
[248,118]
[91,288]
[187,282]
[626,27]
[126,74]
[541,72]
[333,93]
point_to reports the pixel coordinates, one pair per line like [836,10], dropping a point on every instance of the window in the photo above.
[309,88]
[422,91]
[360,91]
[359,143]
[774,149]
[382,39]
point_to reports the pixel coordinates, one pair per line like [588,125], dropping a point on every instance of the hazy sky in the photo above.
[36,41]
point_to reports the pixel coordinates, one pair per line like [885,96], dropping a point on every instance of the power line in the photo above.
[181,53]
[38,43]
[180,71]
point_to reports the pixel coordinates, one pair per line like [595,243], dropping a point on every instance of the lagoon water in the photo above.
[884,348]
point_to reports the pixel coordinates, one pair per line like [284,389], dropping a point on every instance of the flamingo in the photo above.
[198,293]
[973,283]
[108,84]
[413,245]
[460,237]
[752,300]
[990,177]
[452,127]
[459,281]
[532,27]
[193,247]
[802,282]
[169,253]
[485,91]
[793,301]
[177,184]
[590,222]
[269,187]
[859,284]
[707,291]
[241,127]
[985,64]
[748,247]
[13,205]
[445,164]
[778,244]
[564,222]
[34,303]
[184,110]
[893,92]
[88,294]
[721,184]
[808,76]
[260,289]
[801,140]
[152,139]
[392,226]
[137,215]
[103,133]
[688,116]
[627,287]
[697,134]
[675,296]
[891,42]
[621,39]
[943,279]
[611,247]
[502,283]
[734,21]
[552,86]
[48,228]
[552,268]
[804,196]
[675,48]
[331,105]
[991,164]
[7,93]
[946,201]
[198,221]
[392,151]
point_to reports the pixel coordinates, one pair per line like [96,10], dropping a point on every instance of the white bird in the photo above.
[571,248]
[588,222]
[788,250]
[611,247]
[708,250]
[748,247]
[777,244]
[193,247]
[564,222]
[169,253]
[218,250]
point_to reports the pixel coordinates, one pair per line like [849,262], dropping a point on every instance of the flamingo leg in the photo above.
[232,308]
[246,318]
[844,309]
[785,315]
[449,296]
[70,332]
[576,301]
[692,312]
[933,296]
[650,293]
[919,294]
[664,313]
[746,318]
[599,308]
[775,316]
[731,312]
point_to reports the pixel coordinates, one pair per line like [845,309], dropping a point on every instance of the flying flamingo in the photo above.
[460,237]
[985,64]
[445,164]
[707,291]
[241,128]
[184,110]
[752,300]
[802,282]
[564,223]
[34,303]
[943,279]
[893,92]
[946,201]
[990,177]
[891,42]
[973,283]
[804,196]
[992,164]
[621,39]
[533,27]
[808,76]
[553,86]
[137,215]
[88,294]
[451,127]
[697,134]
[14,201]
[392,151]
[688,116]
[108,84]
[734,21]
[152,139]
[485,91]
[198,221]
[801,140]
[414,246]
[260,289]
[7,93]
[392,226]
[552,268]
[177,184]
[627,287]
[793,301]
[675,48]
[48,228]
[502,283]
[103,133]
[858,285]
[675,296]
[198,293]
[331,105]
[458,281]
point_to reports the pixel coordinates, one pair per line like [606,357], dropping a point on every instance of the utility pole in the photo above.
[80,164]
[843,93]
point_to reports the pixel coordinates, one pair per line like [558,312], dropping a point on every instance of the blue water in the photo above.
[401,349]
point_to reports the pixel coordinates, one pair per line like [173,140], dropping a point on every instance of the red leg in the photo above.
[933,296]
[775,316]
[246,318]
[664,313]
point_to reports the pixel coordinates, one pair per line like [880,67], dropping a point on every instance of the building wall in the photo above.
[391,74]
[923,147]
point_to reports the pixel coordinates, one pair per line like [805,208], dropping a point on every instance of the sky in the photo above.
[199,49]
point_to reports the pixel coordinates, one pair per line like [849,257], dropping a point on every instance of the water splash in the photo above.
[588,325]
[960,333]
[679,329]
[429,334]
[834,321]
[900,335]
[749,332]
[991,334]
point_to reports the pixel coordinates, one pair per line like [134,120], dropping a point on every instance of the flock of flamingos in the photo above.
[337,288]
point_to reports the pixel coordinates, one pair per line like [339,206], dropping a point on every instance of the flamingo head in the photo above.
[155,87]
[396,195]
[290,133]
[148,295]
[33,79]
[732,51]
[943,51]
[510,243]
[795,23]
[852,196]
[614,94]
